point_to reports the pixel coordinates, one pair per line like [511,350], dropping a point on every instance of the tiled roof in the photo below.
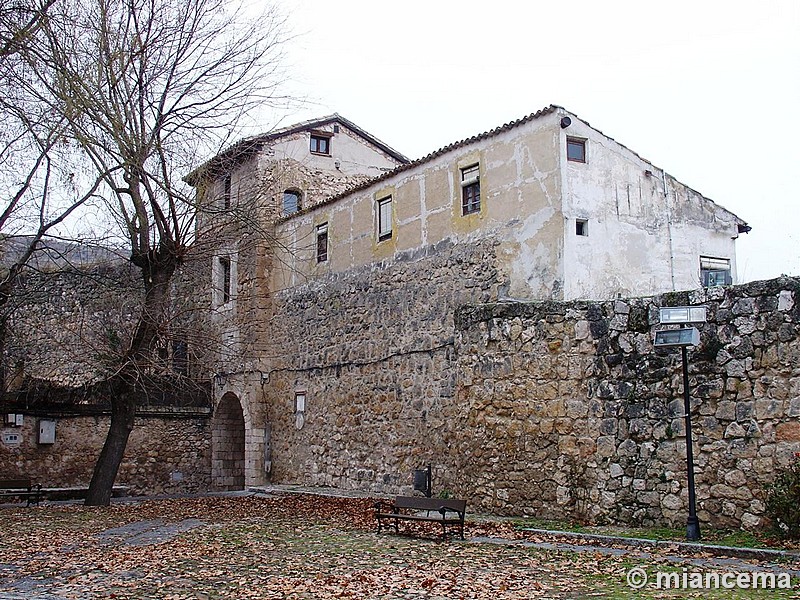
[449,147]
[432,156]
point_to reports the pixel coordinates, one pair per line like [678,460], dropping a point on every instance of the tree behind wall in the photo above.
[144,87]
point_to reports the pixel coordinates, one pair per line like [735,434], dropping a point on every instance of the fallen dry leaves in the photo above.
[287,547]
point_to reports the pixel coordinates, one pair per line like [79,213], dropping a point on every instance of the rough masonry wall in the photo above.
[560,410]
[63,325]
[373,351]
[164,454]
[65,329]
[577,416]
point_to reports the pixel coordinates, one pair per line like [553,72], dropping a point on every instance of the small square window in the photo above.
[581,227]
[320,144]
[715,271]
[576,150]
[385,219]
[470,190]
[322,243]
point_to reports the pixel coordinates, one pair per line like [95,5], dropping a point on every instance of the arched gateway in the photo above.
[227,445]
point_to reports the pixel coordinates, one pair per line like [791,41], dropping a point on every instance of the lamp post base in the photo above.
[692,529]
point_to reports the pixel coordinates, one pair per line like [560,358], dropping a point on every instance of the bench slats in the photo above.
[21,488]
[448,511]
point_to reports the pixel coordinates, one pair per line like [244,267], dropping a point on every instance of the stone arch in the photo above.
[227,445]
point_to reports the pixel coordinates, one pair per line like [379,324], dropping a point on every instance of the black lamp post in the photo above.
[684,337]
[692,524]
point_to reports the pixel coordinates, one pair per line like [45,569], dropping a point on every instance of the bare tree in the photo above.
[144,87]
[38,187]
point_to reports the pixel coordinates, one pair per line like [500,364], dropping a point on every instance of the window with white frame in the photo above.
[470,190]
[322,243]
[715,271]
[385,219]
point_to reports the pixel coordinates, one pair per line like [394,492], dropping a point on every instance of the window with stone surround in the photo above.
[226,192]
[470,190]
[223,279]
[322,243]
[385,219]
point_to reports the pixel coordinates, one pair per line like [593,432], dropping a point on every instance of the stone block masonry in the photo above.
[550,409]
[165,455]
[373,352]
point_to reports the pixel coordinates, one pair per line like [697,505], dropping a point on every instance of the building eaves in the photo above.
[252,145]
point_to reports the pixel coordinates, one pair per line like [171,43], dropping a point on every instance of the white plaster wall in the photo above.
[640,240]
[520,207]
[353,154]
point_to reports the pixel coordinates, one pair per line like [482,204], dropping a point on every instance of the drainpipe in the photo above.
[669,231]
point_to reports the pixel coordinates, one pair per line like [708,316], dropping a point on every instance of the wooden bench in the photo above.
[446,511]
[21,488]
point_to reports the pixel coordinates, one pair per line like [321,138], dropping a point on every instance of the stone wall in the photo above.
[64,330]
[373,351]
[64,326]
[165,454]
[560,410]
[584,419]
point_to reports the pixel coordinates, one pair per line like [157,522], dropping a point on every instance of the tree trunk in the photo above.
[123,411]
[157,271]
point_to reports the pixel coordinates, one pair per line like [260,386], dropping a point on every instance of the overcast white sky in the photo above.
[708,90]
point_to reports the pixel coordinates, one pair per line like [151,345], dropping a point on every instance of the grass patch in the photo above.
[719,537]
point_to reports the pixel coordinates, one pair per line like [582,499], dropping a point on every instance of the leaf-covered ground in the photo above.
[300,547]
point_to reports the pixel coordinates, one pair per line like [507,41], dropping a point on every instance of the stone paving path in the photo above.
[145,533]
